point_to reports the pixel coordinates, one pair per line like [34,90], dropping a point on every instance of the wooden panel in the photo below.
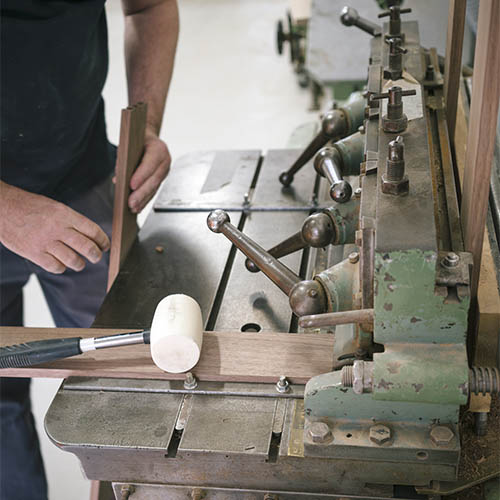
[453,63]
[481,137]
[130,150]
[488,296]
[226,356]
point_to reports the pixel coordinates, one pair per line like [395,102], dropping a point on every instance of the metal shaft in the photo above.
[350,17]
[333,126]
[318,231]
[218,221]
[292,244]
[121,339]
[337,318]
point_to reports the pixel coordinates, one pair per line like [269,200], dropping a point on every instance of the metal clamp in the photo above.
[395,120]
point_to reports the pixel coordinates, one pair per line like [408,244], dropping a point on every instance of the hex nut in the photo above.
[380,434]
[394,125]
[399,188]
[441,435]
[353,257]
[320,432]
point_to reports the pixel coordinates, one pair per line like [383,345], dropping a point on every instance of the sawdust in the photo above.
[480,455]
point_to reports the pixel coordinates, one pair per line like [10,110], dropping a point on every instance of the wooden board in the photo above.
[488,296]
[453,63]
[226,356]
[481,136]
[130,150]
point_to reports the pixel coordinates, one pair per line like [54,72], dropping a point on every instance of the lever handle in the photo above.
[317,231]
[350,17]
[38,351]
[333,126]
[304,296]
[328,164]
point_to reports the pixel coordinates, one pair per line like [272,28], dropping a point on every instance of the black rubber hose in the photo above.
[39,351]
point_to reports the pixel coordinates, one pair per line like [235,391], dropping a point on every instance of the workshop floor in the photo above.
[230,90]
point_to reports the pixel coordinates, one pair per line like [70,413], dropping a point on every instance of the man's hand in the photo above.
[150,173]
[48,233]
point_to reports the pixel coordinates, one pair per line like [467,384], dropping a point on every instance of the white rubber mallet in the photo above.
[176,337]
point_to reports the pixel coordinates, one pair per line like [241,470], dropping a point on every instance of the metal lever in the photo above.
[305,297]
[394,13]
[350,17]
[336,124]
[395,120]
[318,231]
[328,164]
[333,126]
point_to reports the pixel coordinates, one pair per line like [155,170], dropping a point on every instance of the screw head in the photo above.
[380,434]
[451,260]
[320,432]
[441,435]
[353,257]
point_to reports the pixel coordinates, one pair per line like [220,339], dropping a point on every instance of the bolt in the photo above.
[271,496]
[190,381]
[451,260]
[380,434]
[429,72]
[353,257]
[196,494]
[394,180]
[126,491]
[357,192]
[361,129]
[320,432]
[282,385]
[246,199]
[441,435]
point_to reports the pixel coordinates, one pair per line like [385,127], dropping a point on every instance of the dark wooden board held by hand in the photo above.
[130,151]
[228,356]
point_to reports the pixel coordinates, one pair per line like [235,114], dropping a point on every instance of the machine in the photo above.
[365,245]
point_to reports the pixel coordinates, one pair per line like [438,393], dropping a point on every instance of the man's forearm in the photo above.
[151,32]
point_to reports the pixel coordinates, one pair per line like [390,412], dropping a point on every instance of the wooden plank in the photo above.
[453,62]
[226,356]
[488,296]
[130,150]
[481,136]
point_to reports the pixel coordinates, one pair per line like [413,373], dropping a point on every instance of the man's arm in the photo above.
[151,32]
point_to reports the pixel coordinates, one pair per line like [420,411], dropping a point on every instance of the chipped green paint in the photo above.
[406,307]
[325,396]
[426,373]
[341,281]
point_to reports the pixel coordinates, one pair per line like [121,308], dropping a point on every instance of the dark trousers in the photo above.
[74,299]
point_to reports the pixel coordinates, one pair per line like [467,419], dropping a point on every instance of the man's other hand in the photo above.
[47,232]
[150,173]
